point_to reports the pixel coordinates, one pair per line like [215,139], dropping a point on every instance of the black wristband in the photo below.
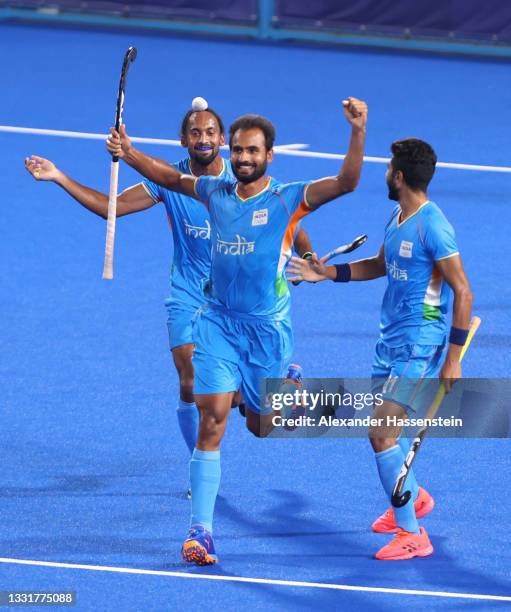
[342,273]
[458,336]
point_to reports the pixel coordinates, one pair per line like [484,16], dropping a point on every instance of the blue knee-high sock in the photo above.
[389,463]
[410,482]
[188,419]
[205,479]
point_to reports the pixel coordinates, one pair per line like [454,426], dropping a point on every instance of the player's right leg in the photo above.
[187,412]
[423,502]
[389,460]
[410,387]
[216,380]
[410,540]
[205,475]
[180,325]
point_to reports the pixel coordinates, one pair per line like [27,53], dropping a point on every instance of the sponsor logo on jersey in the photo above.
[196,231]
[260,217]
[396,272]
[240,247]
[405,250]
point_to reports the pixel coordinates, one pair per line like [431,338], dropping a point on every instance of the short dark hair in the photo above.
[247,122]
[186,118]
[416,159]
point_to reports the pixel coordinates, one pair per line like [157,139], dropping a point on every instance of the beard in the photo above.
[393,192]
[203,159]
[259,171]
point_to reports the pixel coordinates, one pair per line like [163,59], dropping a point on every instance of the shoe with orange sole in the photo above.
[386,523]
[198,547]
[406,545]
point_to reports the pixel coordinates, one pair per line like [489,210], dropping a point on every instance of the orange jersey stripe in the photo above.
[297,216]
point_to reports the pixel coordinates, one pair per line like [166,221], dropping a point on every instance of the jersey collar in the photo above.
[400,223]
[265,188]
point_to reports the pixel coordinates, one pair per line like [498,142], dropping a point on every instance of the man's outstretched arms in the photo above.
[131,200]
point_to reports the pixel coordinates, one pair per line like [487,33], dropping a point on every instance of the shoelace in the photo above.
[401,534]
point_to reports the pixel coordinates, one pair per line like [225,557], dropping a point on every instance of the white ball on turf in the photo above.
[199,104]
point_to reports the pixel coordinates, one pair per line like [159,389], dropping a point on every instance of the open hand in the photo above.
[311,270]
[41,169]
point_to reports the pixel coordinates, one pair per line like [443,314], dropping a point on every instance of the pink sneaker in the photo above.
[406,545]
[386,523]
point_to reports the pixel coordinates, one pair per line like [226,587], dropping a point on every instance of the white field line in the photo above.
[291,149]
[244,579]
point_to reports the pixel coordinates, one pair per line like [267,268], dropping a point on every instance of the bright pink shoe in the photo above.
[406,545]
[386,523]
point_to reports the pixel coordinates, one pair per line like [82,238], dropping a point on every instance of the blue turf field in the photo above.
[93,469]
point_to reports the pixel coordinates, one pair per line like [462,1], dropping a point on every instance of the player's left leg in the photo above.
[261,425]
[387,367]
[271,348]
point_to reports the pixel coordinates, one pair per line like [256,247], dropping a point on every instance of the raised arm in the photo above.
[154,169]
[451,269]
[326,189]
[133,199]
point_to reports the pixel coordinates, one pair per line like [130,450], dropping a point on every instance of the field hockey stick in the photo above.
[108,272]
[399,498]
[340,250]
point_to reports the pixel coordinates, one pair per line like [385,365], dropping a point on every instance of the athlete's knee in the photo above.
[237,399]
[211,428]
[185,372]
[259,426]
[182,356]
[383,434]
[255,429]
[186,388]
[380,444]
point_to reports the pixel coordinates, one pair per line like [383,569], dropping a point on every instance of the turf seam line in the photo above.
[291,149]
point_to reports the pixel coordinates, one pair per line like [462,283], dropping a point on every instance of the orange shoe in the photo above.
[198,547]
[386,523]
[406,545]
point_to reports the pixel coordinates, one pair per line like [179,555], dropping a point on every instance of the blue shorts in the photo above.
[407,375]
[236,353]
[180,324]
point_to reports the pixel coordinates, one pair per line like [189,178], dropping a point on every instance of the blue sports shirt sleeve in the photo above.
[205,185]
[152,189]
[293,194]
[440,239]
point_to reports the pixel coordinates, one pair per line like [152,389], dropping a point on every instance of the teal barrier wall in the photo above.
[442,26]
